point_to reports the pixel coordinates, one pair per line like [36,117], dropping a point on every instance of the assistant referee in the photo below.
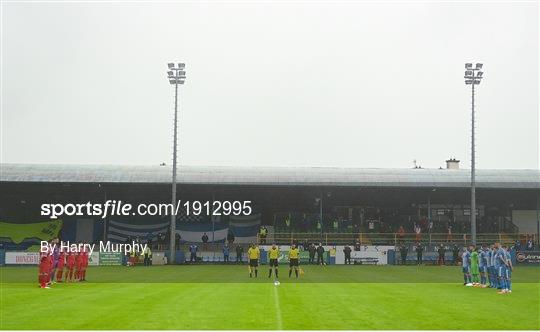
[253,255]
[294,254]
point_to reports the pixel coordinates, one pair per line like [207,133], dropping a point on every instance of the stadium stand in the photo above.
[327,205]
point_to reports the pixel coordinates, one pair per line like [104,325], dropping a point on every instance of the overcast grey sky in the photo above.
[352,84]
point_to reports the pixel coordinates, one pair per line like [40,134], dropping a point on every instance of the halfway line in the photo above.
[278,309]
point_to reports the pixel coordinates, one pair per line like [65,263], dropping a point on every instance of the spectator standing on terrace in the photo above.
[403,250]
[226,253]
[320,254]
[419,249]
[160,241]
[147,256]
[455,254]
[441,250]
[193,253]
[347,252]
[204,238]
[312,249]
[239,253]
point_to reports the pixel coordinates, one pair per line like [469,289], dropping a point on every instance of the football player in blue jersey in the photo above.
[482,264]
[509,268]
[500,266]
[491,270]
[466,266]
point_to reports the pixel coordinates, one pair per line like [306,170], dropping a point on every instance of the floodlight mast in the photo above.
[473,76]
[176,75]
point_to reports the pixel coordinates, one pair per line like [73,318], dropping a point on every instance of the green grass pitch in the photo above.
[224,297]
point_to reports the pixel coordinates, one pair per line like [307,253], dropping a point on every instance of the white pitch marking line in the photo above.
[278,309]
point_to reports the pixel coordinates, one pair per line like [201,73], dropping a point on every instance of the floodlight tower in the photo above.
[176,75]
[473,76]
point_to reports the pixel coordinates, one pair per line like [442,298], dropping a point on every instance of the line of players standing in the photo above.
[53,263]
[493,264]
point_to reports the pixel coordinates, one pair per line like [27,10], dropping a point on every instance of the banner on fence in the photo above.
[93,260]
[110,258]
[528,257]
[22,258]
[376,255]
[158,258]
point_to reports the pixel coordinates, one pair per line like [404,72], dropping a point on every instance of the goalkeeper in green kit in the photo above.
[475,270]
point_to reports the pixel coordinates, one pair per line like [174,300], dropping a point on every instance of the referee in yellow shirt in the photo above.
[294,254]
[273,256]
[253,255]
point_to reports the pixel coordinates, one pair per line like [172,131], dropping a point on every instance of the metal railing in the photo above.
[363,238]
[388,238]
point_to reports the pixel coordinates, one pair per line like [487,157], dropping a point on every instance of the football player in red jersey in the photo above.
[50,259]
[78,265]
[70,262]
[84,264]
[44,268]
[60,266]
